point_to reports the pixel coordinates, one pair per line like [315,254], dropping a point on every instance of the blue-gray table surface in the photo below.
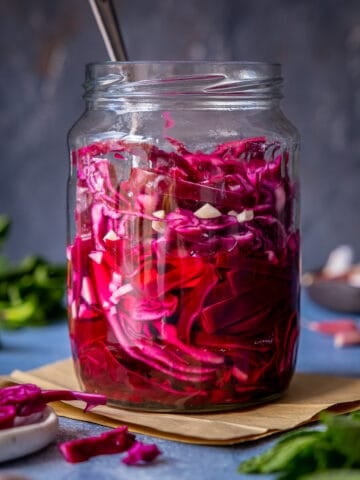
[32,347]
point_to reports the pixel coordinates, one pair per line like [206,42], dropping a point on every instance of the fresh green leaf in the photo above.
[333,475]
[344,433]
[4,228]
[21,314]
[287,453]
[314,455]
[356,415]
[4,264]
[32,292]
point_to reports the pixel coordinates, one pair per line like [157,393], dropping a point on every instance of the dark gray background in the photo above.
[46,43]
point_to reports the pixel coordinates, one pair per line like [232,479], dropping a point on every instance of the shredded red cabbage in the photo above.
[141,452]
[25,400]
[7,416]
[183,281]
[117,440]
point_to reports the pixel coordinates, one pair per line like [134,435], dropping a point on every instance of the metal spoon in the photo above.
[106,19]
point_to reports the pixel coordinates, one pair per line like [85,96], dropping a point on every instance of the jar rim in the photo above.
[189,62]
[210,78]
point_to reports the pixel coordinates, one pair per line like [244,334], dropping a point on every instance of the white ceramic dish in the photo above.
[19,441]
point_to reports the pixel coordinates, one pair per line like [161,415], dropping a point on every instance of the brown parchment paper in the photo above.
[307,397]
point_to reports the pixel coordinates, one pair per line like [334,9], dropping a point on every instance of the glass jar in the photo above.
[183,238]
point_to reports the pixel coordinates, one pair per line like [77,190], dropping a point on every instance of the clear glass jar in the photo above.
[183,243]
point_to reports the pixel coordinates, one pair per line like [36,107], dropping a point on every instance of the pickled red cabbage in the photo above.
[117,440]
[183,273]
[141,452]
[20,402]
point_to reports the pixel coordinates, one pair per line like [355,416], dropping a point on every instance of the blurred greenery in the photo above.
[32,292]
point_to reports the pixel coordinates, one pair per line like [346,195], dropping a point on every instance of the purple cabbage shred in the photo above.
[141,452]
[27,399]
[184,273]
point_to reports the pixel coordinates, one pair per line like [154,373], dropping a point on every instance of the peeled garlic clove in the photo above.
[158,226]
[207,211]
[111,236]
[245,216]
[339,261]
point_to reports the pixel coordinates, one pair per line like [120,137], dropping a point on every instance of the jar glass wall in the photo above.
[183,236]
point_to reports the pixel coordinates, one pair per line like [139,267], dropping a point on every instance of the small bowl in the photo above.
[334,294]
[18,441]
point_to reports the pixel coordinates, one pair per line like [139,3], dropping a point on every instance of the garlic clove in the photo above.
[207,211]
[245,216]
[158,225]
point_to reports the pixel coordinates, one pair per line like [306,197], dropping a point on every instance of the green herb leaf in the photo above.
[314,455]
[344,433]
[4,228]
[292,451]
[31,293]
[338,474]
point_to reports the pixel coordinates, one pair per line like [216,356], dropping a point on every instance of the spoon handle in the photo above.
[105,16]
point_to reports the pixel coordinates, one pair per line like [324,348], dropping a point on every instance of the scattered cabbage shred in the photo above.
[183,281]
[19,403]
[24,404]
[117,440]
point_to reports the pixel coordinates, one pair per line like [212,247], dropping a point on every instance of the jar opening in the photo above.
[255,80]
